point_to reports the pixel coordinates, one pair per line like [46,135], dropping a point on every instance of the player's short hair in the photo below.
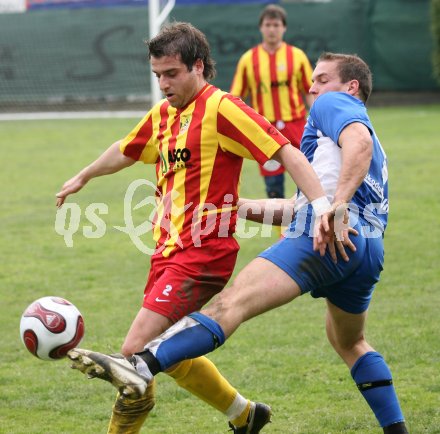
[352,67]
[184,40]
[273,12]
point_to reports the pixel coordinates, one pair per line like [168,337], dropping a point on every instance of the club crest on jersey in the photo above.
[272,131]
[282,67]
[184,123]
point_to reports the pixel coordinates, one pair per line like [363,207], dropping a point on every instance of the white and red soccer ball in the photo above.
[50,327]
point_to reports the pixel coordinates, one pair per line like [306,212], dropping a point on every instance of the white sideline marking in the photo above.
[71,115]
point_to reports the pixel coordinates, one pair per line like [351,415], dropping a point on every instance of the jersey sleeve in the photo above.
[139,144]
[243,132]
[239,86]
[333,111]
[305,72]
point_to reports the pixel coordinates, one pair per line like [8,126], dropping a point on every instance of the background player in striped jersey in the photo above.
[346,153]
[276,78]
[197,137]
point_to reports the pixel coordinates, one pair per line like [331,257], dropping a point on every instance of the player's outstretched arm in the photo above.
[111,161]
[278,212]
[356,148]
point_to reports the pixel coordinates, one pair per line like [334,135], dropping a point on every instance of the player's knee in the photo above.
[128,349]
[223,305]
[347,347]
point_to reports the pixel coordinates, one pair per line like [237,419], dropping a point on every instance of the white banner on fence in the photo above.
[7,6]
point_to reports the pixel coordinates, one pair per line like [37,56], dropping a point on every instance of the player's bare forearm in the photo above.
[111,161]
[278,212]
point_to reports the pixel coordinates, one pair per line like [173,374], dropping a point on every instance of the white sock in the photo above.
[237,407]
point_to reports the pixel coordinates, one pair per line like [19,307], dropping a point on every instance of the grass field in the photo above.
[281,358]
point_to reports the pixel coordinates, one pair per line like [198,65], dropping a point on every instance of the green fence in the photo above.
[52,56]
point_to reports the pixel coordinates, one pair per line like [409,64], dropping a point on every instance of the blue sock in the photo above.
[374,380]
[193,336]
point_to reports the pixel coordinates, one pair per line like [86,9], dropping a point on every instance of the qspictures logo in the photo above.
[69,218]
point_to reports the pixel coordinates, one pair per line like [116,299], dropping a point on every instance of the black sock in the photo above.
[396,428]
[151,361]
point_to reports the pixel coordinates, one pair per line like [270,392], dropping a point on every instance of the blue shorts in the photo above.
[348,285]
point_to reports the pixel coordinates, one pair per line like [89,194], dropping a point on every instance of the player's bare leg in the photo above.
[261,286]
[369,370]
[133,405]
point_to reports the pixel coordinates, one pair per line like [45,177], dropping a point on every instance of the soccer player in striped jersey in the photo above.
[342,146]
[275,77]
[197,137]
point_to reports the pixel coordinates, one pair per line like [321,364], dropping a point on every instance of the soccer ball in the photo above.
[50,327]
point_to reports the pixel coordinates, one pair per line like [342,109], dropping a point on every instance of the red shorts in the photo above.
[187,280]
[293,131]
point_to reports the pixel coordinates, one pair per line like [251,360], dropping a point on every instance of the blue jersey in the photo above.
[329,115]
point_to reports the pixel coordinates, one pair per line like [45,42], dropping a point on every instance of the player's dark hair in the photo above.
[352,67]
[273,12]
[186,41]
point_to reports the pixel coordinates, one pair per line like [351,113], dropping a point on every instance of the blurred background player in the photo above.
[276,78]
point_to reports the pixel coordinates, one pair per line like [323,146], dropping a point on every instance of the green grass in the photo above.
[282,357]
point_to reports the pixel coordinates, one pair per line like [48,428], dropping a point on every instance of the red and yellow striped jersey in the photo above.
[198,151]
[274,81]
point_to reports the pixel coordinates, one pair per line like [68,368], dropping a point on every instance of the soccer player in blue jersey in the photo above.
[342,146]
